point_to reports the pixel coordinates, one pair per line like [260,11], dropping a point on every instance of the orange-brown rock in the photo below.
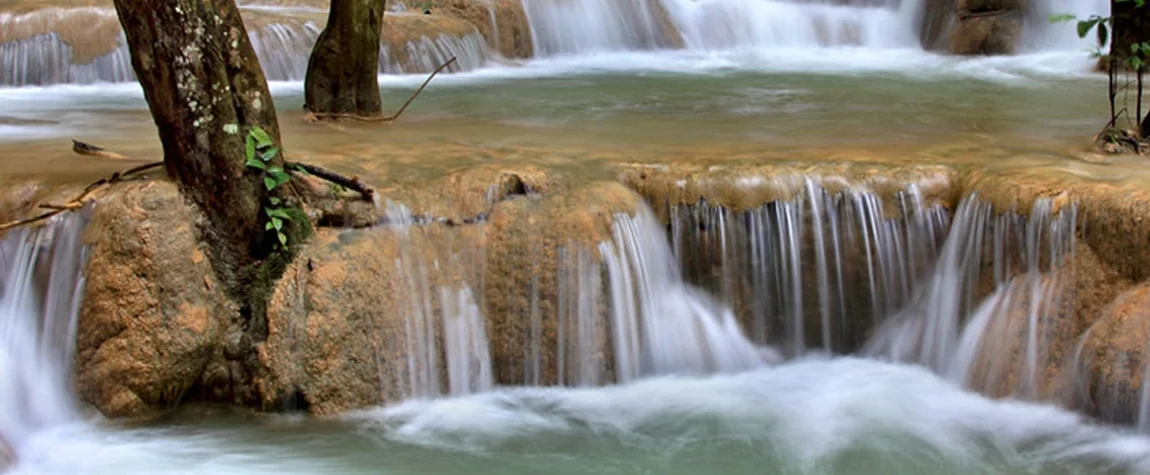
[1112,359]
[153,312]
[90,31]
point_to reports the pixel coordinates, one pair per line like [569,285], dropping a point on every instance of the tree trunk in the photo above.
[206,90]
[342,74]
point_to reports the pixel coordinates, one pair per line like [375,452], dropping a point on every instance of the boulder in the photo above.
[1112,358]
[153,313]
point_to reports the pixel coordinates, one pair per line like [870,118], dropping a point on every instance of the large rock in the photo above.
[1113,358]
[987,26]
[345,320]
[153,313]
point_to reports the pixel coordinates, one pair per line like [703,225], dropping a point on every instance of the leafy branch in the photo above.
[259,150]
[1135,60]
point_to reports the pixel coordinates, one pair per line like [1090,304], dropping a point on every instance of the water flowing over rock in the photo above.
[59,45]
[815,270]
[41,283]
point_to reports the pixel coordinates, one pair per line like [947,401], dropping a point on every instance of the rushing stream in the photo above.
[813,336]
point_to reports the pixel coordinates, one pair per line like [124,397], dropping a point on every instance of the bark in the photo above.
[206,90]
[342,73]
[1130,27]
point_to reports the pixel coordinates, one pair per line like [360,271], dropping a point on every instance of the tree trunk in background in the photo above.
[1130,27]
[206,90]
[342,74]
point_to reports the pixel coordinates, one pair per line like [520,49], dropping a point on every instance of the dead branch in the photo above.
[349,183]
[315,116]
[441,67]
[78,201]
[94,151]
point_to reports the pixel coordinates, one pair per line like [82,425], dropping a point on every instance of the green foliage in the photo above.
[259,150]
[1102,25]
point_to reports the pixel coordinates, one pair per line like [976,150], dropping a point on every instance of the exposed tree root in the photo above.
[317,116]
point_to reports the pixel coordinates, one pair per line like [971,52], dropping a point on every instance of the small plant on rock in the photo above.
[259,151]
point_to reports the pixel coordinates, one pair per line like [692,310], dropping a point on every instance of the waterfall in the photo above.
[971,343]
[831,263]
[581,26]
[446,336]
[767,24]
[660,324]
[585,26]
[45,41]
[1039,34]
[41,279]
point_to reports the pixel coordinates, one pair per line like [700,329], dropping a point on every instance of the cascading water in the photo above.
[582,26]
[945,330]
[42,281]
[816,270]
[766,24]
[585,26]
[660,324]
[1040,34]
[282,43]
[446,337]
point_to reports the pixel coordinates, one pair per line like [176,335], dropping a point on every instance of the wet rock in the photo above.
[937,22]
[153,312]
[987,26]
[1112,359]
[502,22]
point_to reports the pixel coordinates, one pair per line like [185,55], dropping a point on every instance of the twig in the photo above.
[381,118]
[349,183]
[77,202]
[417,91]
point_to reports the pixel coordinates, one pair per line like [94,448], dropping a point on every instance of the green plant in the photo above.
[259,150]
[1135,59]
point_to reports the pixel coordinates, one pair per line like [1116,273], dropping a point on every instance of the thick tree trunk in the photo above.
[206,90]
[344,66]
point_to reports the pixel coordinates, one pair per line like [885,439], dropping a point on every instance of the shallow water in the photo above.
[901,105]
[814,416]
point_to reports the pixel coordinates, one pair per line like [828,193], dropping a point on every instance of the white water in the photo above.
[946,330]
[799,264]
[41,277]
[771,24]
[660,325]
[446,337]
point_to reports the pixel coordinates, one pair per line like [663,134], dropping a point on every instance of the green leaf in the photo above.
[301,170]
[277,223]
[269,226]
[262,138]
[1061,18]
[1103,34]
[1084,26]
[283,239]
[269,183]
[275,201]
[253,163]
[279,176]
[250,148]
[279,213]
[269,154]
